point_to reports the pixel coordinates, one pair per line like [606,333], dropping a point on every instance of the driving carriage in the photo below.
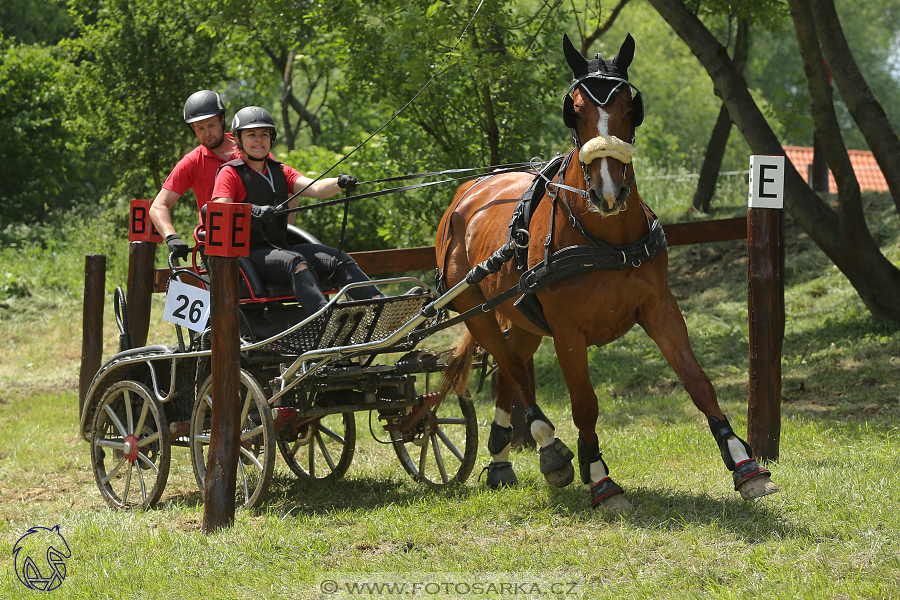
[303,378]
[590,263]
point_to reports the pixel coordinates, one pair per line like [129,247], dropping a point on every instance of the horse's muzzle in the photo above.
[609,208]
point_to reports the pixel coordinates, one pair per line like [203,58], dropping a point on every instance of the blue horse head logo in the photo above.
[37,544]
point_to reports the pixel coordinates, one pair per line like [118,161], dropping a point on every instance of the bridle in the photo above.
[610,146]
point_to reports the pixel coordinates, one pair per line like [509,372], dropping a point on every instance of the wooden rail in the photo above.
[422,258]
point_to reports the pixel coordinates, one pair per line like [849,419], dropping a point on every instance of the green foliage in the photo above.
[44,169]
[129,75]
[35,21]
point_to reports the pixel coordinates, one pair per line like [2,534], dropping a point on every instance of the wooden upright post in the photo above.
[227,238]
[765,303]
[141,256]
[91,323]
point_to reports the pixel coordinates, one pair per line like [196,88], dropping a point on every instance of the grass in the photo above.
[832,532]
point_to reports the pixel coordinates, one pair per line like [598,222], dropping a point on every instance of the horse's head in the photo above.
[602,114]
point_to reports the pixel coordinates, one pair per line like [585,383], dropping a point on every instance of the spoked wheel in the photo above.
[130,450]
[323,449]
[443,446]
[256,459]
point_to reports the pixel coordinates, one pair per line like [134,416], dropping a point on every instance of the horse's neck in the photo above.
[616,230]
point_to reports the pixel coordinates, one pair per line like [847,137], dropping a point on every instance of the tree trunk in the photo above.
[816,218]
[882,275]
[864,107]
[718,141]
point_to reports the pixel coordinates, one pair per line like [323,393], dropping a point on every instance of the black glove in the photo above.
[177,247]
[347,182]
[265,214]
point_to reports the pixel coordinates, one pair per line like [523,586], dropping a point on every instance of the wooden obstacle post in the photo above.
[765,303]
[228,237]
[143,238]
[91,323]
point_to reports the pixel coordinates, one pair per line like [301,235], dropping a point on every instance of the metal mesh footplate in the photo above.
[348,324]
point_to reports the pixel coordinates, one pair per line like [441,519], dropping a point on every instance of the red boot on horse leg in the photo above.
[586,270]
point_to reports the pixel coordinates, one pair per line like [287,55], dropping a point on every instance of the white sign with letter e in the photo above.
[766,181]
[187,306]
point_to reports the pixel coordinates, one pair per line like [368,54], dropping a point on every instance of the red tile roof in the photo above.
[868,173]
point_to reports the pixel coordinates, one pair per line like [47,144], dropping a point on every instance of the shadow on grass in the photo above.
[751,521]
[300,496]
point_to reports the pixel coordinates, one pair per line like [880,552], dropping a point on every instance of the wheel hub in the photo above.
[130,449]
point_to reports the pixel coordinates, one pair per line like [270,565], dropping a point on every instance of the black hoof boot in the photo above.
[750,478]
[500,475]
[604,489]
[556,463]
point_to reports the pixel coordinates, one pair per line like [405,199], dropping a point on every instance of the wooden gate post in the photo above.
[143,238]
[227,238]
[91,323]
[765,303]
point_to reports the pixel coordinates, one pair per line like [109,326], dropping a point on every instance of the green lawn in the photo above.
[832,532]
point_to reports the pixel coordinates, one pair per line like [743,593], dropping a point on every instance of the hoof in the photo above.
[561,477]
[555,456]
[757,487]
[607,494]
[500,474]
[618,503]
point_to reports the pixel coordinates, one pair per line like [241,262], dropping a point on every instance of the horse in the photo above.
[588,213]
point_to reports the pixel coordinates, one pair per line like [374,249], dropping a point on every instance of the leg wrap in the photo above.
[721,430]
[534,413]
[603,489]
[588,455]
[500,438]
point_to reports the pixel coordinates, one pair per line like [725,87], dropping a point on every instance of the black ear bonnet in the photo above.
[600,80]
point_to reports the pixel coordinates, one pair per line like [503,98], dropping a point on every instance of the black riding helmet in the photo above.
[252,117]
[203,105]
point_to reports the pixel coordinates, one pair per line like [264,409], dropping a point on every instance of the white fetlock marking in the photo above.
[501,417]
[542,433]
[597,472]
[738,452]
[501,456]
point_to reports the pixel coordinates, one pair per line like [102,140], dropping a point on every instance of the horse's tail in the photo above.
[456,375]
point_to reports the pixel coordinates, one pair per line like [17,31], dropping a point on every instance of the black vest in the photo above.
[260,193]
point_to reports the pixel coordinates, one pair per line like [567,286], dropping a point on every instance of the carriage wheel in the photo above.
[444,447]
[130,451]
[257,450]
[324,448]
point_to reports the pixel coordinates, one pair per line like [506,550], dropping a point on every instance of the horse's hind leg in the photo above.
[666,327]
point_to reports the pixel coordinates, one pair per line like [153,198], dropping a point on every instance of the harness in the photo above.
[600,82]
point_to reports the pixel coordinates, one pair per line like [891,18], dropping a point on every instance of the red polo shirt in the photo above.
[197,171]
[229,184]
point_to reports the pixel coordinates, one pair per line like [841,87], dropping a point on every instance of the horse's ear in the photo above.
[626,54]
[569,116]
[577,62]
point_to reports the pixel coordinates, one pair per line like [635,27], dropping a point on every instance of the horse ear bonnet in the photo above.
[600,90]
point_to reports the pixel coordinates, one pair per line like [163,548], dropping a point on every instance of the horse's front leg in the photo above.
[666,327]
[571,349]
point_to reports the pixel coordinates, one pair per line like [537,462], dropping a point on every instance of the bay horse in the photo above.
[580,219]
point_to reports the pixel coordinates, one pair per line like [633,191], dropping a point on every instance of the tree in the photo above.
[129,75]
[718,139]
[878,284]
[864,107]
